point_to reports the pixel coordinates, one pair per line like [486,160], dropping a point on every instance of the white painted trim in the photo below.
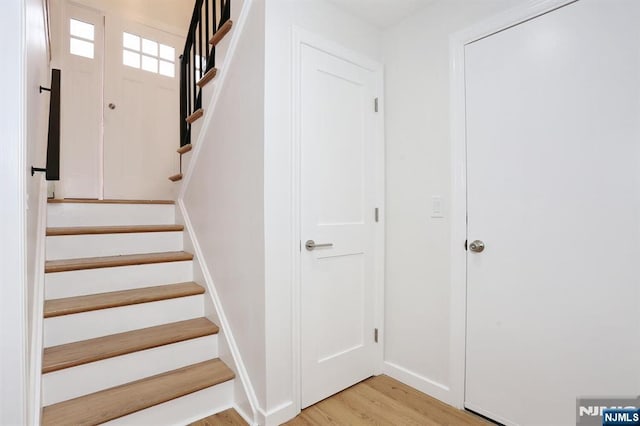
[417,381]
[380,199]
[224,322]
[296,224]
[221,77]
[458,266]
[275,416]
[247,418]
[37,315]
[302,37]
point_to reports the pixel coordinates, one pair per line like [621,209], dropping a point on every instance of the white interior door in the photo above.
[141,110]
[337,192]
[553,145]
[82,58]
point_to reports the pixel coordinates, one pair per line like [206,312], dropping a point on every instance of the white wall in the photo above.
[169,15]
[331,23]
[224,197]
[12,227]
[23,118]
[417,314]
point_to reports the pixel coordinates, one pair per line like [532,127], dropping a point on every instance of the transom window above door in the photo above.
[81,38]
[148,55]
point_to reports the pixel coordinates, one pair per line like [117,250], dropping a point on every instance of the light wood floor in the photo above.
[379,400]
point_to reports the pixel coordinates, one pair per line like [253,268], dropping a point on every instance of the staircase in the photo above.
[125,334]
[206,45]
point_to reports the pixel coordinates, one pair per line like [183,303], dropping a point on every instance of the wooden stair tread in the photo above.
[77,353]
[184,149]
[131,229]
[228,417]
[93,302]
[93,201]
[109,404]
[222,31]
[113,261]
[175,178]
[207,77]
[194,116]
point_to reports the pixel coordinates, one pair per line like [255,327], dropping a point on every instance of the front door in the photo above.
[337,122]
[553,145]
[120,107]
[141,111]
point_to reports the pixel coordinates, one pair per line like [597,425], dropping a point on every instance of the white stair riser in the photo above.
[87,325]
[184,410]
[78,214]
[102,280]
[88,378]
[75,246]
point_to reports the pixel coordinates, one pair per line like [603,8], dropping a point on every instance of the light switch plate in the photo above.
[437,207]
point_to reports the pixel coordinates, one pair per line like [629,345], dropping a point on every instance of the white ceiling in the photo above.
[381,13]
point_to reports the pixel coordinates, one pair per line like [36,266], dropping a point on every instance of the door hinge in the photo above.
[375,335]
[375,104]
[376,214]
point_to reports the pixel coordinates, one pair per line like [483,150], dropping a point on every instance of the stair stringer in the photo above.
[244,398]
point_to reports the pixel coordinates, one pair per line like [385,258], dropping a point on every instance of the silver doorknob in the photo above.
[477,246]
[310,245]
[112,106]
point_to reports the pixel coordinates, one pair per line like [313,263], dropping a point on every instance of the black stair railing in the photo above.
[52,169]
[198,57]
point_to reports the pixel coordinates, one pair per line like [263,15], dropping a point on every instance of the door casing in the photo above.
[458,255]
[300,38]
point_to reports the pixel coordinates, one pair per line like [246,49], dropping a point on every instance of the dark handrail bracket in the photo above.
[44,89]
[35,170]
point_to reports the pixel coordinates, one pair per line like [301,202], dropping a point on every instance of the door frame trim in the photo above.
[457,132]
[302,37]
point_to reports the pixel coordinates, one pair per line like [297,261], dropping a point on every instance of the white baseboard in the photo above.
[247,418]
[212,293]
[421,383]
[277,415]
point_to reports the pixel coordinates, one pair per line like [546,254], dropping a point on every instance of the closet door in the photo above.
[553,145]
